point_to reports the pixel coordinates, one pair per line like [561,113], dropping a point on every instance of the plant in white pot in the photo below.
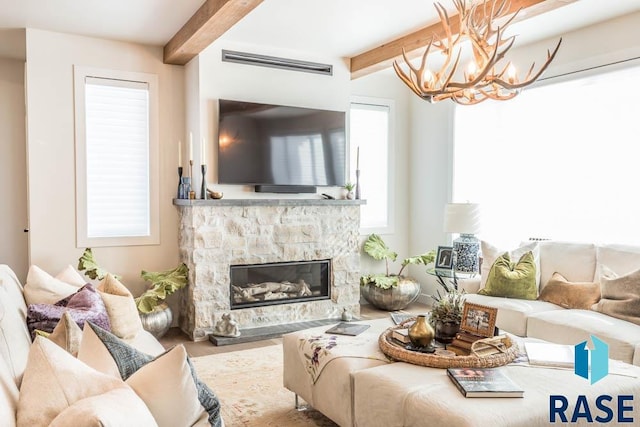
[155,313]
[389,291]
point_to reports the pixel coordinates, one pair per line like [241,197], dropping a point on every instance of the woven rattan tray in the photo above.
[399,353]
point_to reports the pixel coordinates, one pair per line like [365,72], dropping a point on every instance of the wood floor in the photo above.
[203,348]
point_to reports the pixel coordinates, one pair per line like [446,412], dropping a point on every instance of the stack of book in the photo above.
[401,335]
[484,382]
[461,344]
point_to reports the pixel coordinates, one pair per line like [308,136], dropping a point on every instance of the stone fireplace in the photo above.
[268,262]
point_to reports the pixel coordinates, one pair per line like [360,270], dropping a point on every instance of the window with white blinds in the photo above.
[116,158]
[370,129]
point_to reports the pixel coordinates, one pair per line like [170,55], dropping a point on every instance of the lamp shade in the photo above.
[462,218]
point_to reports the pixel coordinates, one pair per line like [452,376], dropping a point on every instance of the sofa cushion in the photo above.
[512,279]
[567,294]
[120,407]
[121,307]
[71,276]
[42,288]
[85,304]
[574,326]
[620,259]
[8,395]
[512,313]
[575,261]
[65,381]
[14,335]
[108,353]
[620,295]
[491,253]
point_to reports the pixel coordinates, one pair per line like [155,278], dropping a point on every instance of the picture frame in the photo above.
[478,319]
[444,258]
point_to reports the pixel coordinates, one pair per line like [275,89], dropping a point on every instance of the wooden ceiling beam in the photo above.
[212,20]
[382,57]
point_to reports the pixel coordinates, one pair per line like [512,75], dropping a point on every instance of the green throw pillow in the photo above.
[512,280]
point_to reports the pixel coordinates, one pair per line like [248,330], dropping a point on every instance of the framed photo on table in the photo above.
[478,319]
[444,258]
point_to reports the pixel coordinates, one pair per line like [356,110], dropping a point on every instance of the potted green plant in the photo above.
[446,311]
[349,187]
[155,314]
[389,291]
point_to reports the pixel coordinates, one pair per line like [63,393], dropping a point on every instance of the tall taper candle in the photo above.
[179,154]
[203,161]
[190,146]
[358,158]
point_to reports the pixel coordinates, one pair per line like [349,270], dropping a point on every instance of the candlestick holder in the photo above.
[179,181]
[203,187]
[357,184]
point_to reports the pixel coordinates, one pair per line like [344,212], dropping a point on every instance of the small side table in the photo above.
[449,274]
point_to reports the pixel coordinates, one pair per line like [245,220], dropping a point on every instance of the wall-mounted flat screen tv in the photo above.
[280,145]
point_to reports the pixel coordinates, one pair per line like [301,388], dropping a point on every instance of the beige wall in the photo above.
[50,102]
[13,167]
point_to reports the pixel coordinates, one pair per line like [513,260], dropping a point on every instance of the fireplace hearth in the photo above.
[279,283]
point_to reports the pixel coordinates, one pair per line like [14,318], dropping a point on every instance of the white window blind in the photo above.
[117,141]
[369,127]
[116,158]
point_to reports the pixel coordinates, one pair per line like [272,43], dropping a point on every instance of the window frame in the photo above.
[82,238]
[389,228]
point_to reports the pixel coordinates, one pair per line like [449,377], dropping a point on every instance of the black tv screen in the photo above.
[280,145]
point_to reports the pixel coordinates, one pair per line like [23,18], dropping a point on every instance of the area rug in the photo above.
[249,386]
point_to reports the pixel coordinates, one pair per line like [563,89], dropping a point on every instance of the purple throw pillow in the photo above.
[86,304]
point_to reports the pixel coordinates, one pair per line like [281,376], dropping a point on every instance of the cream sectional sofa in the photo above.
[108,400]
[577,262]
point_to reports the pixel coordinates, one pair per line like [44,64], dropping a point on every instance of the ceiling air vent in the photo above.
[275,62]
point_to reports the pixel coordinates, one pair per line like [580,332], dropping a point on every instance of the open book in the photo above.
[549,354]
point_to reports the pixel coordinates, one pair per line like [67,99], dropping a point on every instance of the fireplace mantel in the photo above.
[216,234]
[267,202]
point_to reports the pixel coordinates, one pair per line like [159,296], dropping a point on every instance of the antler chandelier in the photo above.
[486,76]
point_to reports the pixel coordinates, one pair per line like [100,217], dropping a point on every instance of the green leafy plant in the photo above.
[448,306]
[163,284]
[89,265]
[349,186]
[376,248]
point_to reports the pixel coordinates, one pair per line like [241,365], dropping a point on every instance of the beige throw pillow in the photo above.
[580,295]
[67,334]
[620,295]
[71,276]
[121,308]
[54,380]
[42,288]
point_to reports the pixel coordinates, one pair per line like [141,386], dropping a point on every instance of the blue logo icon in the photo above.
[599,360]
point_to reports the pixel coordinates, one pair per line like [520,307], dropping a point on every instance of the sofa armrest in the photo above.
[470,286]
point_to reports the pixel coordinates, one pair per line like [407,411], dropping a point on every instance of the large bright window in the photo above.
[370,130]
[116,158]
[559,161]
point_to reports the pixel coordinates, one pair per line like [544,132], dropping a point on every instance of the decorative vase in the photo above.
[421,333]
[158,321]
[446,331]
[350,195]
[396,298]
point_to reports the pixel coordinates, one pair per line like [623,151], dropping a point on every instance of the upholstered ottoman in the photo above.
[401,394]
[325,383]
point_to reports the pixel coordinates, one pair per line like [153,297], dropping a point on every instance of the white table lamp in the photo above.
[464,219]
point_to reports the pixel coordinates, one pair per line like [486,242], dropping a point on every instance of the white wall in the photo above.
[50,147]
[432,124]
[13,167]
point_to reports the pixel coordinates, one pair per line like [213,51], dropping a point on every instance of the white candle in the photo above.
[204,151]
[190,146]
[358,158]
[179,153]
